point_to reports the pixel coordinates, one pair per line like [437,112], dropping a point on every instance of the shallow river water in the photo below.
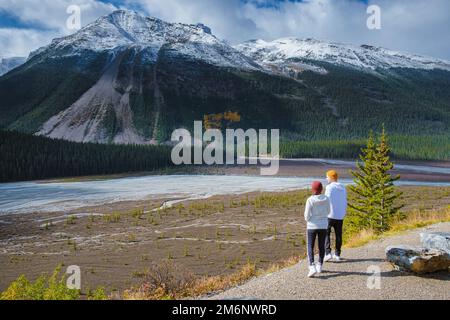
[23,197]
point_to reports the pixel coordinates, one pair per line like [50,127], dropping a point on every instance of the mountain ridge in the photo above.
[127,28]
[364,56]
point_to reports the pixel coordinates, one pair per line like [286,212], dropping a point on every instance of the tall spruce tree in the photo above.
[373,198]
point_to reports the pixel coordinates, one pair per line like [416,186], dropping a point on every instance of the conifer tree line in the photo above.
[27,157]
[374,200]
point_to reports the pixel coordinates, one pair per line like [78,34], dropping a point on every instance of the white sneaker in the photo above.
[337,258]
[312,271]
[319,268]
[328,257]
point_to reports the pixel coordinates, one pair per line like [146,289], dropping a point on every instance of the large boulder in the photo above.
[418,260]
[436,240]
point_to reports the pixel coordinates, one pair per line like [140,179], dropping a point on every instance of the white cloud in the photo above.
[49,18]
[19,42]
[418,26]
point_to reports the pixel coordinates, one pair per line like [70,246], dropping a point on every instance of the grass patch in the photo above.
[414,220]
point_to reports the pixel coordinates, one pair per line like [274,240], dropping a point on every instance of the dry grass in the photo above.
[167,281]
[360,239]
[208,285]
[289,262]
[414,220]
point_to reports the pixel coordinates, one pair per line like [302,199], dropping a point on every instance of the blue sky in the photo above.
[417,26]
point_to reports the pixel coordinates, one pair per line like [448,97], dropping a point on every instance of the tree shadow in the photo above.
[335,274]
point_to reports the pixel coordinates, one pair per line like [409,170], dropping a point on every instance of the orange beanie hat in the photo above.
[332,174]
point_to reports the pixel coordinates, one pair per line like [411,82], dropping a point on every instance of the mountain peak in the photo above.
[126,28]
[123,18]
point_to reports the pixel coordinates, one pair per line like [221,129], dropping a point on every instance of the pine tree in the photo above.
[373,197]
[386,200]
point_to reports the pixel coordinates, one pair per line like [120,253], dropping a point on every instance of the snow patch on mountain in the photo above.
[304,52]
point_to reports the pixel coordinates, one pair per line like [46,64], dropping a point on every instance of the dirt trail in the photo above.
[348,279]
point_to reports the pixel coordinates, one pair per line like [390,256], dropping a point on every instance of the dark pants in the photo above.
[337,226]
[312,235]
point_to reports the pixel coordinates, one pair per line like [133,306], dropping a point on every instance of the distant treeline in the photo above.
[321,149]
[27,157]
[430,147]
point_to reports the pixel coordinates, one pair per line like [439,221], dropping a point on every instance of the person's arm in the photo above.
[308,211]
[345,202]
[328,191]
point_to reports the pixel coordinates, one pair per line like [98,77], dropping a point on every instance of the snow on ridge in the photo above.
[124,29]
[366,57]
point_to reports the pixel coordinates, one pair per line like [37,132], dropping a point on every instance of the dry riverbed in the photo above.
[114,244]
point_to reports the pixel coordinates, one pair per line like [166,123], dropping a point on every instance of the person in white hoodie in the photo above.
[316,215]
[337,194]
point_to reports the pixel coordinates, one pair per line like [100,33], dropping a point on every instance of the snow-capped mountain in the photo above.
[128,29]
[126,78]
[306,51]
[7,64]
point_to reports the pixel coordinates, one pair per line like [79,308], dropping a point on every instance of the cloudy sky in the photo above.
[417,26]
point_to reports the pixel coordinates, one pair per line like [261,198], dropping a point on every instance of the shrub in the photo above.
[162,281]
[97,294]
[44,288]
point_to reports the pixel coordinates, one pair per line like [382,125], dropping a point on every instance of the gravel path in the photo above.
[348,279]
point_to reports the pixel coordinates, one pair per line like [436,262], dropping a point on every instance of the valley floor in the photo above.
[115,244]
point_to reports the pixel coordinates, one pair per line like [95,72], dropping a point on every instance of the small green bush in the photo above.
[44,288]
[97,294]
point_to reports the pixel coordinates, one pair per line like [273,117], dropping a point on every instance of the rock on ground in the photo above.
[418,260]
